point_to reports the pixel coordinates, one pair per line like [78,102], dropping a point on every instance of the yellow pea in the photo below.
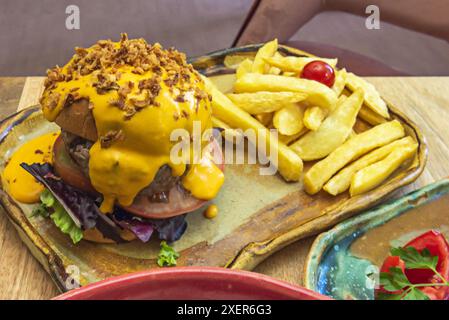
[211,211]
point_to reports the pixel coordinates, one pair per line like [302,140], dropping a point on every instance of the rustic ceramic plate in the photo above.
[191,283]
[258,214]
[342,261]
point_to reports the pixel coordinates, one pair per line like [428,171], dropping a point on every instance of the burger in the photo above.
[117,104]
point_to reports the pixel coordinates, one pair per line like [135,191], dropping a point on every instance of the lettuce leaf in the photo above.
[65,223]
[49,206]
[167,256]
[78,205]
[85,214]
[169,229]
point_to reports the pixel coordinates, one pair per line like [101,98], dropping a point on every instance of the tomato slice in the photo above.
[438,246]
[179,202]
[436,243]
[68,170]
[392,262]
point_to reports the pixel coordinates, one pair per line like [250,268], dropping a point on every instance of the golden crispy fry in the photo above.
[317,93]
[343,98]
[334,130]
[268,50]
[228,131]
[265,101]
[352,134]
[372,97]
[265,118]
[232,61]
[289,139]
[342,180]
[274,70]
[353,148]
[370,116]
[244,67]
[313,117]
[340,81]
[288,120]
[370,177]
[296,64]
[289,163]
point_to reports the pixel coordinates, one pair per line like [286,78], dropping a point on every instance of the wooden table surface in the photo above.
[424,100]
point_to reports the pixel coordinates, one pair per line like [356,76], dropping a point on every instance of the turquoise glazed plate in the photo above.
[344,262]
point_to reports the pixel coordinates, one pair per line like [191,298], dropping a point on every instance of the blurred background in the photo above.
[412,39]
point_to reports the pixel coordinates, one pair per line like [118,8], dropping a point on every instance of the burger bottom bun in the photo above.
[94,235]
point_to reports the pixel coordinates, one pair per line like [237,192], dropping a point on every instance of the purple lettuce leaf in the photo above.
[169,229]
[80,207]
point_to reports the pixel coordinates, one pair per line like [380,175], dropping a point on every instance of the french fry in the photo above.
[289,163]
[274,70]
[340,81]
[289,74]
[370,116]
[352,149]
[289,139]
[334,130]
[372,97]
[352,134]
[296,64]
[370,177]
[233,61]
[228,131]
[342,180]
[244,67]
[265,118]
[288,120]
[265,101]
[313,117]
[317,93]
[268,50]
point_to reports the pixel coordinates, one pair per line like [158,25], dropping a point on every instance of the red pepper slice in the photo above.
[392,262]
[438,246]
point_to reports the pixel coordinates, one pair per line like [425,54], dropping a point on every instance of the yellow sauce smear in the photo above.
[21,185]
[130,164]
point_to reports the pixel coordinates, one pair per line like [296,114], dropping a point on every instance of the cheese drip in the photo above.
[21,185]
[141,144]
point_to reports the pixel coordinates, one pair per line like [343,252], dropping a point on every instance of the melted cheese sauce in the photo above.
[18,182]
[203,179]
[130,164]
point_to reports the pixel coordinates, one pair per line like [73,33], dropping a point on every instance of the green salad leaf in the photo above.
[414,259]
[167,255]
[50,207]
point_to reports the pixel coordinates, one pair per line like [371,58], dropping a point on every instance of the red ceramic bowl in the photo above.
[191,283]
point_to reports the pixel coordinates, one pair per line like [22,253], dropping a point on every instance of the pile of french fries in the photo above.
[314,122]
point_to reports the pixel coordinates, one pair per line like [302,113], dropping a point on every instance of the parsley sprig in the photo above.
[167,255]
[396,280]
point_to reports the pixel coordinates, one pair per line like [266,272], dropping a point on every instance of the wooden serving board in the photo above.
[258,214]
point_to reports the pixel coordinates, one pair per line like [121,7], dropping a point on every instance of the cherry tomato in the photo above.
[319,71]
[438,246]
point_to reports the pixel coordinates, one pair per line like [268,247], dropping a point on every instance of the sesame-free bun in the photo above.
[94,235]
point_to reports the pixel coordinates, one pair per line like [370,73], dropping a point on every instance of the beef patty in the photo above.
[157,191]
